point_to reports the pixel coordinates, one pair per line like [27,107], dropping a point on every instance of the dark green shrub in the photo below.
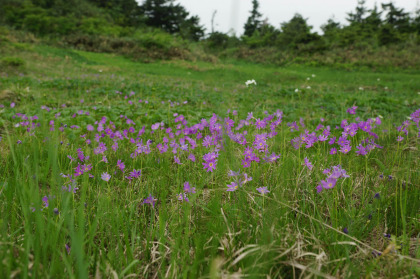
[156,38]
[99,26]
[64,26]
[38,24]
[218,40]
[3,39]
[388,35]
[13,62]
[265,36]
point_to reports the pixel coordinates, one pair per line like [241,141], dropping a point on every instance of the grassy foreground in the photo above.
[109,170]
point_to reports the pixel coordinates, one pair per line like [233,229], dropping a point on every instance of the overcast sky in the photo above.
[232,14]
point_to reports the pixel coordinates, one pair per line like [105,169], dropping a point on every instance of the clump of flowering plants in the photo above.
[333,174]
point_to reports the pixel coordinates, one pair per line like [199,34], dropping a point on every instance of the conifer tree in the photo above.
[296,32]
[358,16]
[415,22]
[373,20]
[397,18]
[254,20]
[171,17]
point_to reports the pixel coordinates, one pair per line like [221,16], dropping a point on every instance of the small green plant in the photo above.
[14,62]
[3,39]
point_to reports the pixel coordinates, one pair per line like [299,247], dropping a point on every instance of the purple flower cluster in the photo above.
[150,200]
[352,110]
[120,165]
[81,169]
[210,161]
[134,174]
[200,143]
[182,140]
[413,119]
[343,141]
[187,190]
[308,164]
[333,175]
[366,146]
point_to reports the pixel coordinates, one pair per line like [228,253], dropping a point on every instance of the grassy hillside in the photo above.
[87,188]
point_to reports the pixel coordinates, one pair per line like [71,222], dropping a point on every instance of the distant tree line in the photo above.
[381,25]
[102,17]
[377,26]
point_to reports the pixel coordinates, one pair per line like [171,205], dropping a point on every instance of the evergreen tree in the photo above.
[397,18]
[9,12]
[123,12]
[373,20]
[159,14]
[296,32]
[331,31]
[191,29]
[46,4]
[254,20]
[415,23]
[70,8]
[171,17]
[330,27]
[358,16]
[265,36]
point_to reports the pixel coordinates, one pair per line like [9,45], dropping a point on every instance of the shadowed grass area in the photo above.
[70,117]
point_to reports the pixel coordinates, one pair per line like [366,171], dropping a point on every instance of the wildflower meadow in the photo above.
[116,169]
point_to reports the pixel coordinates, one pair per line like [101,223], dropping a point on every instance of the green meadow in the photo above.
[96,152]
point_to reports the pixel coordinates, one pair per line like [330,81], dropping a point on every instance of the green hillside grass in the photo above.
[366,226]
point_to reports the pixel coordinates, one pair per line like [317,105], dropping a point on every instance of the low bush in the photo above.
[14,62]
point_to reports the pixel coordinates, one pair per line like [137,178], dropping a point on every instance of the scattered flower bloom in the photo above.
[68,249]
[188,188]
[183,197]
[352,110]
[105,176]
[308,164]
[263,190]
[45,201]
[150,200]
[232,187]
